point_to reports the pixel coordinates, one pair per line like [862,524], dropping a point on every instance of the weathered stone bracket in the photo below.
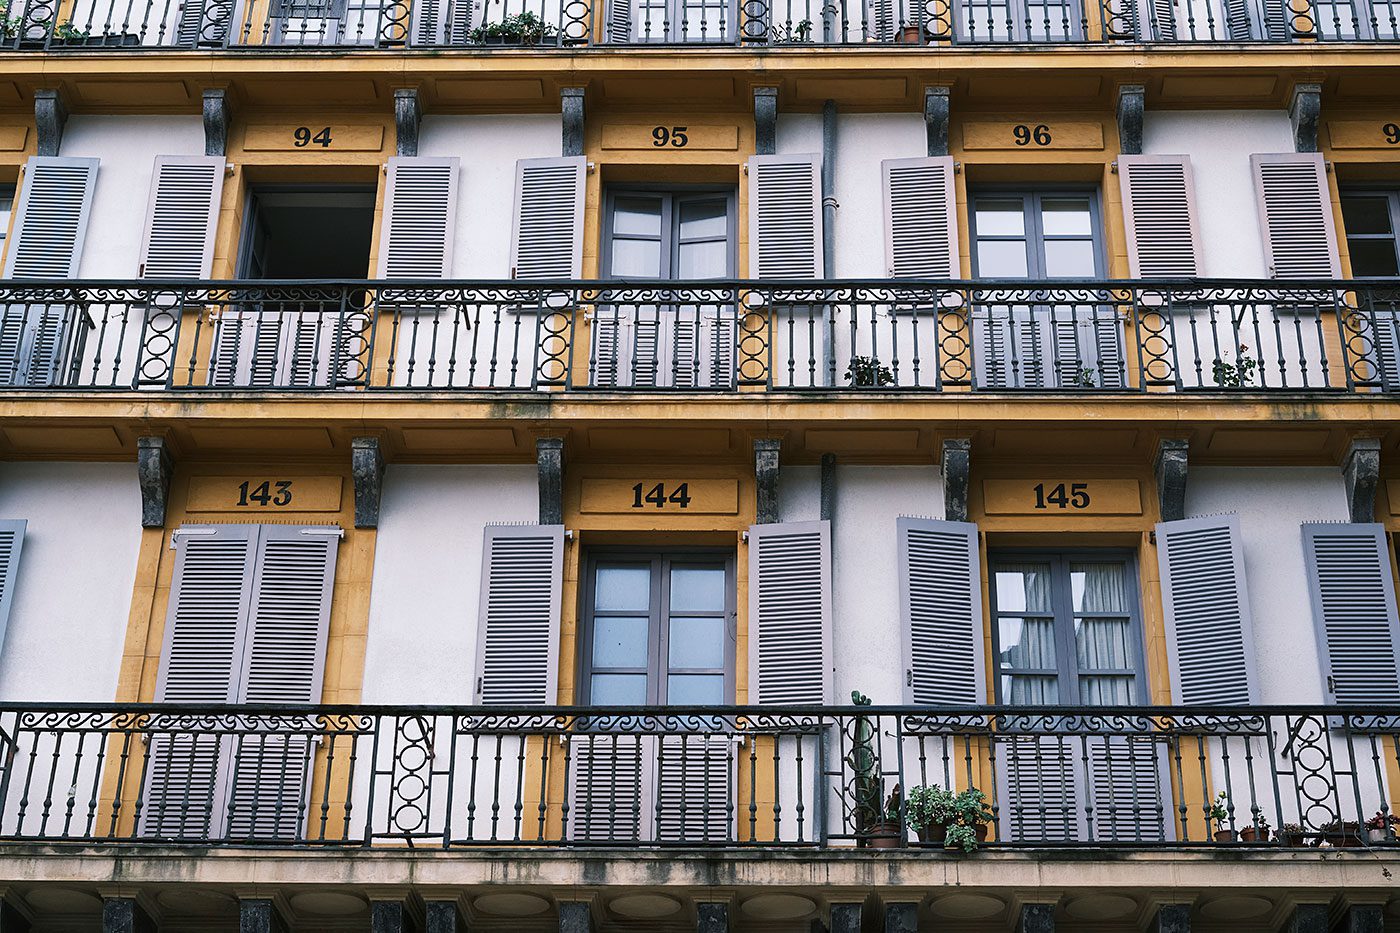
[1169,466]
[1361,470]
[391,917]
[259,915]
[216,120]
[1036,918]
[575,917]
[549,457]
[846,918]
[957,465]
[712,917]
[1308,918]
[571,105]
[766,452]
[153,469]
[1171,918]
[408,118]
[367,470]
[902,918]
[50,116]
[765,120]
[125,915]
[443,917]
[936,113]
[1132,104]
[1304,111]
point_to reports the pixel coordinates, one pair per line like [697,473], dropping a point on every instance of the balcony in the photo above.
[708,338]
[484,25]
[814,778]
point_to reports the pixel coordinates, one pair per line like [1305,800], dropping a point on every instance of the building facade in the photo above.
[610,464]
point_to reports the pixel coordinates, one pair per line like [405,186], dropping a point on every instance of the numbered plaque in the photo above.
[1032,135]
[1062,496]
[265,493]
[313,138]
[660,496]
[1365,134]
[670,136]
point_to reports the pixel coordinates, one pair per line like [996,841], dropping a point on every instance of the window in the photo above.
[1018,21]
[1370,219]
[1066,629]
[7,206]
[672,21]
[1036,234]
[659,629]
[1357,19]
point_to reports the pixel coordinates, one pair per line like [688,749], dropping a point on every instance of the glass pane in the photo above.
[708,260]
[620,642]
[637,216]
[1029,689]
[1023,588]
[1000,217]
[696,644]
[1001,259]
[1027,643]
[1107,691]
[1104,644]
[1372,257]
[697,589]
[639,258]
[704,219]
[1066,217]
[1069,258]
[1365,214]
[1099,587]
[622,587]
[618,690]
[688,689]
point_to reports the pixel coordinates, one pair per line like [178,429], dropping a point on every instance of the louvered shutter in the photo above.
[1064,334]
[921,220]
[49,358]
[443,22]
[12,330]
[607,346]
[991,334]
[1029,355]
[181,218]
[723,349]
[420,218]
[785,219]
[645,358]
[1210,639]
[940,612]
[1384,327]
[1295,213]
[1237,21]
[694,789]
[1108,344]
[200,663]
[11,543]
[1163,25]
[620,21]
[1127,781]
[284,663]
[685,353]
[607,778]
[1159,214]
[790,613]
[1278,20]
[518,623]
[306,339]
[880,20]
[51,218]
[1354,612]
[1037,774]
[547,229]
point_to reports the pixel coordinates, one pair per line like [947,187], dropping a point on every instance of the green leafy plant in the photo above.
[69,33]
[960,813]
[868,371]
[1219,812]
[1086,378]
[519,28]
[1237,375]
[801,32]
[929,806]
[865,766]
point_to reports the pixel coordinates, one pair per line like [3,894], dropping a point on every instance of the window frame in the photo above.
[251,216]
[658,631]
[1392,198]
[1032,196]
[1062,610]
[670,197]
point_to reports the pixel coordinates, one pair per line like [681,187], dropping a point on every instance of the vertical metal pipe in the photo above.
[829,188]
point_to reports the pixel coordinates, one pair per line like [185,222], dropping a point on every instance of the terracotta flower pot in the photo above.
[1226,835]
[885,835]
[911,35]
[1254,834]
[932,834]
[1293,840]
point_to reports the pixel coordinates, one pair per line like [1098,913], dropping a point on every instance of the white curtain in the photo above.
[1102,643]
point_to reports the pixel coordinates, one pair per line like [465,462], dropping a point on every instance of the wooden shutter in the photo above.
[547,229]
[723,349]
[1037,774]
[1028,355]
[11,543]
[785,218]
[1354,612]
[685,353]
[790,613]
[1237,21]
[645,359]
[1295,212]
[991,334]
[183,213]
[940,612]
[694,789]
[620,21]
[1163,25]
[880,20]
[420,218]
[51,218]
[1108,344]
[518,622]
[607,346]
[1210,641]
[606,784]
[1064,335]
[921,219]
[1127,780]
[1159,214]
[443,22]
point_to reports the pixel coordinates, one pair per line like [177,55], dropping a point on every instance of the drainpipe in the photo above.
[829,188]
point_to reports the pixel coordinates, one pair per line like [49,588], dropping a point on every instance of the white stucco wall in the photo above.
[427,575]
[72,596]
[127,147]
[1220,144]
[1272,502]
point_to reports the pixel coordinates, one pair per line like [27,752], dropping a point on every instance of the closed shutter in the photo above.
[1163,25]
[785,219]
[1037,774]
[921,220]
[1353,603]
[620,21]
[694,789]
[685,353]
[442,22]
[1127,783]
[607,333]
[1210,640]
[1064,333]
[940,612]
[1237,21]
[1278,20]
[547,229]
[183,213]
[790,613]
[1029,355]
[49,359]
[1295,213]
[723,349]
[306,338]
[1108,344]
[11,543]
[991,334]
[420,218]
[266,351]
[518,622]
[880,20]
[51,218]
[1159,214]
[606,783]
[645,358]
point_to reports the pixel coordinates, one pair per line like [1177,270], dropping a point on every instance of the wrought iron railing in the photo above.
[887,336]
[299,25]
[850,776]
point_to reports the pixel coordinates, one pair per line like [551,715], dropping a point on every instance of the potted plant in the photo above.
[868,372]
[912,35]
[1220,815]
[517,29]
[877,822]
[801,32]
[1379,828]
[930,812]
[1292,835]
[1343,834]
[1236,375]
[884,832]
[972,818]
[1258,831]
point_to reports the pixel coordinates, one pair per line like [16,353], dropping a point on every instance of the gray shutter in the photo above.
[51,218]
[991,334]
[1278,20]
[547,228]
[1383,325]
[685,353]
[607,346]
[1028,357]
[723,349]
[420,218]
[1037,773]
[694,789]
[790,613]
[1064,335]
[880,20]
[284,662]
[605,787]
[785,218]
[200,663]
[1162,28]
[306,337]
[1353,603]
[1237,24]
[442,22]
[645,358]
[620,21]
[11,543]
[1108,344]
[1127,779]
[940,612]
[12,330]
[1159,214]
[518,623]
[264,349]
[1210,639]
[921,218]
[1295,212]
[48,357]
[182,215]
